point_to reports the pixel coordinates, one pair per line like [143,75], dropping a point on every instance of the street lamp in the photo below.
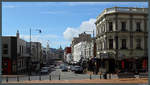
[30,63]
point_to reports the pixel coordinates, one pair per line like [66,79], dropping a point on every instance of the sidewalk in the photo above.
[125,80]
[12,75]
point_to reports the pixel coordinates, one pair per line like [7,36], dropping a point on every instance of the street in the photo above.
[57,74]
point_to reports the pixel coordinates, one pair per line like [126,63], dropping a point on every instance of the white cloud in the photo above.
[70,33]
[85,26]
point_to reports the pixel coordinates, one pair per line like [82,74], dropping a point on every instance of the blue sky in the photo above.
[59,21]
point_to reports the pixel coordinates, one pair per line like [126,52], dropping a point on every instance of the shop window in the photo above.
[5,46]
[5,51]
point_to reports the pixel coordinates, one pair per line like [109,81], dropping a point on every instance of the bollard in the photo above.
[50,77]
[110,76]
[40,77]
[100,76]
[7,79]
[17,78]
[90,76]
[29,78]
[59,76]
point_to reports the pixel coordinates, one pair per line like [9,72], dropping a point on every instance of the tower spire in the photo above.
[17,34]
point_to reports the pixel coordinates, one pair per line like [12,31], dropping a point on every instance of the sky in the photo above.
[58,21]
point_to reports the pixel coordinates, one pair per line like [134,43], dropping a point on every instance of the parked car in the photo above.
[44,71]
[64,68]
[48,68]
[52,66]
[78,69]
[68,67]
[72,68]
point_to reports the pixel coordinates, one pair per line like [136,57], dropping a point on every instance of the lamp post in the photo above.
[30,59]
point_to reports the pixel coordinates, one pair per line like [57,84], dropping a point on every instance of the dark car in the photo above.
[78,69]
[72,68]
[64,68]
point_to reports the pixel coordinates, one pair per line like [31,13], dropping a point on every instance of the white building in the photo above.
[68,57]
[82,50]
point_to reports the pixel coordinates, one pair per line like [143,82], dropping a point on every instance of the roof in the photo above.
[123,10]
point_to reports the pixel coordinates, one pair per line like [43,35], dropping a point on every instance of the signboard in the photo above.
[107,55]
[104,55]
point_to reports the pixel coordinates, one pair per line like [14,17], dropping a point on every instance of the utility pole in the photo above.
[30,54]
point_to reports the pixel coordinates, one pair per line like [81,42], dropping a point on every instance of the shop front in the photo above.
[107,63]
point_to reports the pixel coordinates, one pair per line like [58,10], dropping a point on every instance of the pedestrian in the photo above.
[105,75]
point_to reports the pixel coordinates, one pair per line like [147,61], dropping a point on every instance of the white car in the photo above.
[44,70]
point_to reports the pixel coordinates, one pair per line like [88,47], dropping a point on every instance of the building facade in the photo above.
[121,39]
[14,56]
[83,37]
[83,50]
[67,55]
[36,54]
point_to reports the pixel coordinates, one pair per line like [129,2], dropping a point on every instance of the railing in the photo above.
[8,79]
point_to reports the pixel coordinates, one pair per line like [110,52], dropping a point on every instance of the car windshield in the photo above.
[77,66]
[44,68]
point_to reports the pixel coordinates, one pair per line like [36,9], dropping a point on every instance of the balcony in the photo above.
[123,10]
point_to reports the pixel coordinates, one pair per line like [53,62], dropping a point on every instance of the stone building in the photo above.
[82,37]
[67,55]
[36,54]
[121,39]
[14,56]
[83,50]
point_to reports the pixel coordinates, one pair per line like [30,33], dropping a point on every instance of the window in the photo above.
[101,46]
[138,44]
[105,45]
[123,43]
[5,65]
[123,26]
[110,26]
[116,38]
[5,45]
[20,49]
[102,30]
[5,51]
[138,26]
[110,43]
